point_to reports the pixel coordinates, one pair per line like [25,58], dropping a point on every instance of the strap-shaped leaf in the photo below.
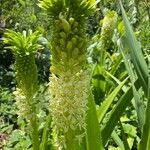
[116,113]
[93,136]
[134,47]
[106,104]
[145,141]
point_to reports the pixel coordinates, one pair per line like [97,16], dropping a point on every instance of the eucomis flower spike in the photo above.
[24,45]
[69,81]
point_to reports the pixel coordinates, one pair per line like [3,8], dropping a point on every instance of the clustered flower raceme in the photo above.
[108,26]
[26,75]
[23,46]
[69,81]
[104,39]
[25,106]
[68,46]
[68,101]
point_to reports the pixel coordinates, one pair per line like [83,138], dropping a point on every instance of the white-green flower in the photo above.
[69,81]
[68,101]
[25,105]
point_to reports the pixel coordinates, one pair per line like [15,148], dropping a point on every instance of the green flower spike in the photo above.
[108,25]
[69,81]
[24,45]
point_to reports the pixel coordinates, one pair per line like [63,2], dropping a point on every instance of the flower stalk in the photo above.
[24,46]
[69,80]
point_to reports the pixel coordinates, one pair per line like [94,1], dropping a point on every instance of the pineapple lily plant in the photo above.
[24,45]
[74,122]
[67,105]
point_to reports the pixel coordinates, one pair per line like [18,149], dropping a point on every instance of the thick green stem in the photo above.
[45,133]
[70,145]
[71,142]
[35,135]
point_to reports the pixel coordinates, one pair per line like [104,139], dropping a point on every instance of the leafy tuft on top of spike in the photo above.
[78,8]
[23,43]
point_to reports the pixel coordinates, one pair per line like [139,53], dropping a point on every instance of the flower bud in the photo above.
[65,23]
[75,24]
[75,52]
[58,24]
[62,42]
[63,34]
[71,62]
[71,20]
[53,69]
[74,40]
[57,49]
[75,30]
[80,44]
[69,45]
[63,55]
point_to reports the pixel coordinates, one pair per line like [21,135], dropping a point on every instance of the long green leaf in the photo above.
[135,51]
[117,139]
[139,103]
[93,136]
[145,141]
[106,104]
[124,137]
[45,134]
[124,88]
[116,113]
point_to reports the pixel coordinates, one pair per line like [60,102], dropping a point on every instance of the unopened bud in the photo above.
[65,24]
[58,23]
[81,44]
[75,24]
[74,40]
[75,30]
[69,45]
[75,52]
[71,20]
[53,69]
[63,34]
[62,42]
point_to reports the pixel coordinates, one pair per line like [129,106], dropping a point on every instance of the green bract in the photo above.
[22,43]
